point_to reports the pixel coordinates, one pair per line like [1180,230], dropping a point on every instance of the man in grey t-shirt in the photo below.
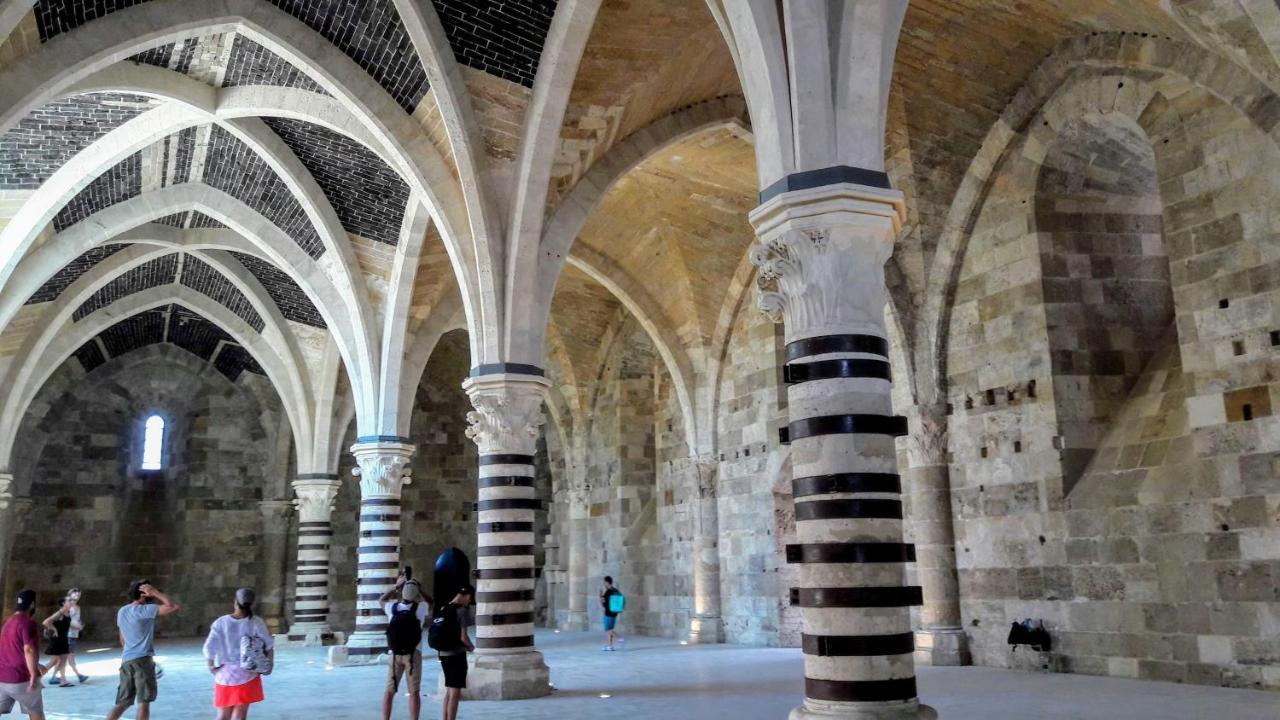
[137,624]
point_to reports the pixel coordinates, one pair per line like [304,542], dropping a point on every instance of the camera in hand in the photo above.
[408,573]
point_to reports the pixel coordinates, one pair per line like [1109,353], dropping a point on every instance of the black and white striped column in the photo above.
[823,252]
[383,469]
[505,425]
[315,495]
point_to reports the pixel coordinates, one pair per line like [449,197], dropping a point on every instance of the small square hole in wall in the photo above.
[1275,337]
[1237,347]
[982,452]
[1031,389]
[991,397]
[1247,404]
[1017,446]
[1224,303]
[968,403]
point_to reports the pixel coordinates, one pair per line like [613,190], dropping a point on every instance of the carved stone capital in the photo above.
[383,468]
[315,498]
[927,439]
[821,255]
[508,412]
[706,470]
[7,488]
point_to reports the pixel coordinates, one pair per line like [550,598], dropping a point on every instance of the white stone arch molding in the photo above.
[445,317]
[571,215]
[462,129]
[72,57]
[1089,54]
[69,179]
[539,143]
[100,156]
[637,302]
[48,349]
[247,232]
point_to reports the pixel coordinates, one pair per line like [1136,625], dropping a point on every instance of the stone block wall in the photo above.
[98,522]
[1107,476]
[756,513]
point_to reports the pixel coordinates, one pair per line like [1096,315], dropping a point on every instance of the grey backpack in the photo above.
[253,655]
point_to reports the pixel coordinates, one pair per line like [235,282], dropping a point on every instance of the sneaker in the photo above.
[82,678]
[67,683]
[606,648]
[54,681]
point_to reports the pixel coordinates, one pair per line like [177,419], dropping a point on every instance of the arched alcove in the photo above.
[1104,272]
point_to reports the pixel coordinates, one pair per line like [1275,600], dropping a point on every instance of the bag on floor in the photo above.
[617,602]
[404,632]
[253,655]
[445,634]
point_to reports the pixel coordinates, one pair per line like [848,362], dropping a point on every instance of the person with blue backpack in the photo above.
[405,620]
[613,602]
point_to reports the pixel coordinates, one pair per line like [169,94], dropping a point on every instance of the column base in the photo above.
[310,637]
[942,647]
[705,630]
[577,620]
[818,710]
[362,648]
[517,676]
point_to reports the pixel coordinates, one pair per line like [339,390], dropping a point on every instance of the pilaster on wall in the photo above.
[821,255]
[12,509]
[706,625]
[275,549]
[941,639]
[505,426]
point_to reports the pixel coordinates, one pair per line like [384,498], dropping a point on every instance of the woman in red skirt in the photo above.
[239,653]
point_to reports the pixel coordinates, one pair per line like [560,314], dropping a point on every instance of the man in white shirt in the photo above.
[405,619]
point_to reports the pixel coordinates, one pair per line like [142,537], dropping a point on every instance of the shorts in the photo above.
[410,665]
[225,696]
[610,622]
[455,670]
[22,694]
[137,681]
[71,644]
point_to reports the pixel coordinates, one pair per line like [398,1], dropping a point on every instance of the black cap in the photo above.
[466,590]
[26,599]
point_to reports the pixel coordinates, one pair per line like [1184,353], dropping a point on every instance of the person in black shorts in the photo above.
[453,663]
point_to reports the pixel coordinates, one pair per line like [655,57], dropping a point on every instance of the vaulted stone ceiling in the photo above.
[958,64]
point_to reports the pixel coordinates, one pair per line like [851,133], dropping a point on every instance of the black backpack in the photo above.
[445,634]
[404,632]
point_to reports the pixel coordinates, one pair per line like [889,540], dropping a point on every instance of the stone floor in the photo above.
[654,678]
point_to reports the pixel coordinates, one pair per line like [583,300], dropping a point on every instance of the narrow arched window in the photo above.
[152,442]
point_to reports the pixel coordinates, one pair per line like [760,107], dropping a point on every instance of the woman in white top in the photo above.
[236,687]
[73,597]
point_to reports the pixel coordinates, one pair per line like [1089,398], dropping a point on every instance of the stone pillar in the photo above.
[821,256]
[275,550]
[580,592]
[12,511]
[383,469]
[940,639]
[705,626]
[508,411]
[315,496]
